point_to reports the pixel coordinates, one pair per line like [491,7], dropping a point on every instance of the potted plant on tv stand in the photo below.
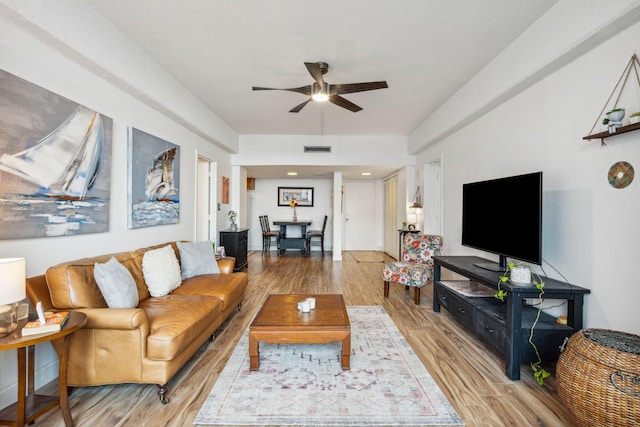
[521,275]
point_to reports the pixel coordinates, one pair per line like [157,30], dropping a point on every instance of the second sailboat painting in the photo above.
[154,180]
[55,163]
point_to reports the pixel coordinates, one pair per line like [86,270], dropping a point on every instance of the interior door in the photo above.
[360,216]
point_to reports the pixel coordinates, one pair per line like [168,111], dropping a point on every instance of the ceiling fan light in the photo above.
[322,95]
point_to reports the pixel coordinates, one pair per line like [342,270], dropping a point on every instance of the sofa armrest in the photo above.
[116,318]
[37,290]
[226,264]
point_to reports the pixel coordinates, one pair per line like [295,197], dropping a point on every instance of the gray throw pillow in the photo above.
[197,258]
[116,284]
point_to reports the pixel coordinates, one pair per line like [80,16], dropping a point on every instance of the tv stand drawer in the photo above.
[491,331]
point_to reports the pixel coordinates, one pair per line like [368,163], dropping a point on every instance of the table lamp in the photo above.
[12,291]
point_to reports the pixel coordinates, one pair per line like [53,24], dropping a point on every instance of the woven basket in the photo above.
[598,378]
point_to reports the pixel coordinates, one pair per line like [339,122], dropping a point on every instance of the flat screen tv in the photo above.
[504,216]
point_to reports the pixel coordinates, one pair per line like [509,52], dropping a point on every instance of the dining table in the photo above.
[292,241]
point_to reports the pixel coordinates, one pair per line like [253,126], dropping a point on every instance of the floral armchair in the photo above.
[415,268]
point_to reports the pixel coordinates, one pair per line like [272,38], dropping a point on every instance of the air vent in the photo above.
[317,149]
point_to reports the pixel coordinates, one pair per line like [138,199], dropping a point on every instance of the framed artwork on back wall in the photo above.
[303,195]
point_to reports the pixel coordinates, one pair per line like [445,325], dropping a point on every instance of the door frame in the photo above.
[205,210]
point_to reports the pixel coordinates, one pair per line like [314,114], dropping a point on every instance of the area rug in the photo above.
[303,384]
[368,256]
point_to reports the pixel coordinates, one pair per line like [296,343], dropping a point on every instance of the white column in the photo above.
[337,216]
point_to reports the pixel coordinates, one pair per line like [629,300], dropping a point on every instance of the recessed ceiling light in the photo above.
[365,173]
[292,173]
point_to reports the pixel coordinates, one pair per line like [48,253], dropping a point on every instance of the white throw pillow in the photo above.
[197,258]
[116,284]
[161,271]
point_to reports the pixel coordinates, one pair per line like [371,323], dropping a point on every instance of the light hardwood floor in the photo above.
[469,373]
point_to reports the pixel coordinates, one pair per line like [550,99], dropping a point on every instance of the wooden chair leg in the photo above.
[386,289]
[416,295]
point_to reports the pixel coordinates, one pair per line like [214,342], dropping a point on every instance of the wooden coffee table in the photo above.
[279,321]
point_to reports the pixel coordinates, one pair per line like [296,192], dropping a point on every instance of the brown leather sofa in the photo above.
[147,344]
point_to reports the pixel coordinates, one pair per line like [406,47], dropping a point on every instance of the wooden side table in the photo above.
[29,407]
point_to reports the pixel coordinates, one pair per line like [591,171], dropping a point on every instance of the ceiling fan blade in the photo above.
[341,102]
[315,71]
[341,89]
[305,90]
[299,107]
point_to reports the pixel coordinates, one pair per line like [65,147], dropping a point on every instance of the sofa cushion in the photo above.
[226,287]
[161,271]
[197,258]
[116,284]
[176,320]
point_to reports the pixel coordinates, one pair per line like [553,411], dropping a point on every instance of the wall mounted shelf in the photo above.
[602,135]
[630,71]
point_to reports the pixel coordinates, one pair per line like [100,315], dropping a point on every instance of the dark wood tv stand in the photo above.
[505,325]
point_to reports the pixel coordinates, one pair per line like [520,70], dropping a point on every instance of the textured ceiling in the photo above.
[425,49]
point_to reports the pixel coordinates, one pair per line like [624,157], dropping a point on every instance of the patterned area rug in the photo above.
[303,384]
[368,256]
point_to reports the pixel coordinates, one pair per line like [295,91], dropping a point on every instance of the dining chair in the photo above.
[268,234]
[415,267]
[317,234]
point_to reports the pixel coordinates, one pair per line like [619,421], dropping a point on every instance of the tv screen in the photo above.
[504,216]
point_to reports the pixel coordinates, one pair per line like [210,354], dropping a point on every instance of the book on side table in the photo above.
[54,321]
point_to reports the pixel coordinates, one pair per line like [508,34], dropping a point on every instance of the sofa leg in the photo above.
[386,289]
[212,337]
[240,307]
[416,296]
[162,393]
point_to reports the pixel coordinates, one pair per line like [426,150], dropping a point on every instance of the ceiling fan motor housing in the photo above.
[324,67]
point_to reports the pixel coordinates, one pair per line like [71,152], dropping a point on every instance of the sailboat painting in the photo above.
[55,163]
[154,180]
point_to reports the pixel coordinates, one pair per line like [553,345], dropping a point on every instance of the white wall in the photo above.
[285,150]
[23,53]
[258,150]
[590,229]
[264,201]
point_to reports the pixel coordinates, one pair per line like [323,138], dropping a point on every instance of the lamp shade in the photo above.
[12,280]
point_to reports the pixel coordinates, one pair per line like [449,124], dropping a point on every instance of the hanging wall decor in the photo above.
[154,180]
[621,111]
[225,190]
[620,175]
[55,163]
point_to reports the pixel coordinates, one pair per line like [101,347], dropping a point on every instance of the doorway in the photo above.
[360,216]
[205,200]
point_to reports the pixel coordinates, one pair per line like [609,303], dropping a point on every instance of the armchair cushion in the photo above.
[407,273]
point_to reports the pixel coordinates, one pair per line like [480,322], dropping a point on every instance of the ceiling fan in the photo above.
[322,91]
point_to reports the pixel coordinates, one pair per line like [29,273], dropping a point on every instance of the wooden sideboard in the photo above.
[236,245]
